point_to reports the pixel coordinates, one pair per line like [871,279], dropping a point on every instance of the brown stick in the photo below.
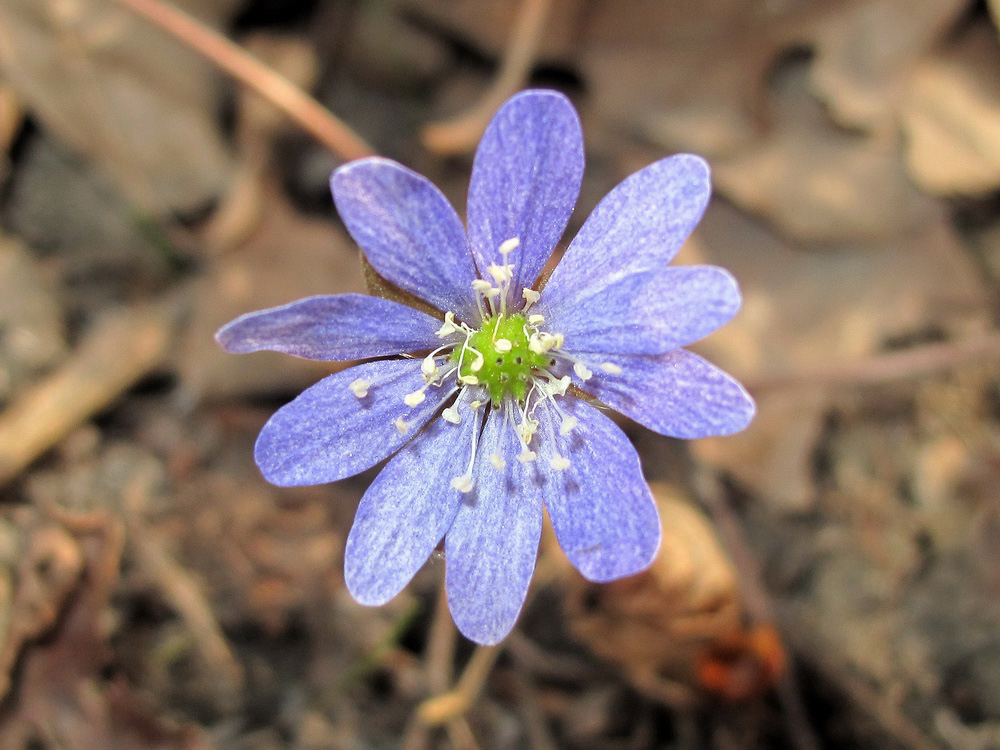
[312,116]
[120,350]
[460,134]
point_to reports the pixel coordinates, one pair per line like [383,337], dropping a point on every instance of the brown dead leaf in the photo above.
[59,699]
[688,76]
[486,24]
[804,310]
[866,50]
[818,183]
[122,93]
[655,624]
[951,117]
[32,335]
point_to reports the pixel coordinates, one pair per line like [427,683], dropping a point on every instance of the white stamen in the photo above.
[414,399]
[530,296]
[451,415]
[468,380]
[497,460]
[535,344]
[501,274]
[558,386]
[481,286]
[449,326]
[477,363]
[611,368]
[463,483]
[535,319]
[503,345]
[526,457]
[559,463]
[475,404]
[582,372]
[402,425]
[568,425]
[360,387]
[527,430]
[428,367]
[509,246]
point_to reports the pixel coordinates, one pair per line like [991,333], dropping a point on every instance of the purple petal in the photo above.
[601,507]
[677,394]
[525,182]
[491,548]
[408,230]
[648,313]
[333,328]
[328,433]
[407,509]
[639,226]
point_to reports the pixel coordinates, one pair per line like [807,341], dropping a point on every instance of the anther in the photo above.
[503,345]
[500,274]
[468,380]
[536,319]
[581,371]
[451,415]
[402,425]
[360,387]
[475,404]
[414,399]
[530,296]
[449,326]
[463,483]
[497,460]
[479,285]
[611,368]
[568,425]
[428,367]
[477,363]
[559,463]
[509,246]
[526,457]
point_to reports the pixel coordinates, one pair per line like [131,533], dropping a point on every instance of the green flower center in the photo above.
[508,365]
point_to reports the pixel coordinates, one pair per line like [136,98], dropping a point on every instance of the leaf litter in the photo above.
[850,141]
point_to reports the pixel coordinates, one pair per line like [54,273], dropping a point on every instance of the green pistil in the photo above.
[503,373]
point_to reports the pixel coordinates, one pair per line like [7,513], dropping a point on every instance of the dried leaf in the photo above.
[951,116]
[655,624]
[814,181]
[122,93]
[866,51]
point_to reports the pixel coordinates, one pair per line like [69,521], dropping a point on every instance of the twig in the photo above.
[120,350]
[441,646]
[299,106]
[444,708]
[758,604]
[919,361]
[460,134]
[182,593]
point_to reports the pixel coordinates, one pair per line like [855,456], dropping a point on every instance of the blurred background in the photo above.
[829,578]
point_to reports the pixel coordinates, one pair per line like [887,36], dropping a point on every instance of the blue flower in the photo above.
[485,426]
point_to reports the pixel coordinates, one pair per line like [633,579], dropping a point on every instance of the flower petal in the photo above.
[639,226]
[408,230]
[329,433]
[333,328]
[677,394]
[649,313]
[525,182]
[600,505]
[491,547]
[407,509]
